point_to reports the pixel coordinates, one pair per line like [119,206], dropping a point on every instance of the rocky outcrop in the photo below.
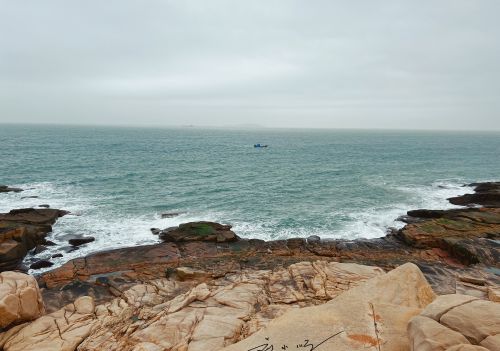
[456,322]
[20,299]
[197,312]
[199,231]
[373,315]
[469,235]
[21,230]
[485,194]
[6,189]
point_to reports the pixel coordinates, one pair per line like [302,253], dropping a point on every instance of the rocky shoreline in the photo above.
[454,251]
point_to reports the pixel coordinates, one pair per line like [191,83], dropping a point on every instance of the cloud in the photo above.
[395,64]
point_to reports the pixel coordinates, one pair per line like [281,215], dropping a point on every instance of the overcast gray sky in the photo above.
[432,64]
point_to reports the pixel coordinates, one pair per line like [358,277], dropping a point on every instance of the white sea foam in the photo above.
[113,229]
[374,222]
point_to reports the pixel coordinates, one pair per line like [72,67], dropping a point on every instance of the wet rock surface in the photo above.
[199,231]
[22,230]
[7,189]
[80,241]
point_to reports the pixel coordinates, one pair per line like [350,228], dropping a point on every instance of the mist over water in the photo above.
[335,184]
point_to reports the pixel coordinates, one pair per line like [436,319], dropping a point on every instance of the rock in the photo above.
[372,314]
[29,197]
[466,347]
[69,249]
[472,280]
[186,273]
[445,303]
[20,299]
[6,189]
[38,249]
[81,241]
[486,194]
[165,314]
[494,293]
[313,239]
[199,231]
[44,206]
[62,330]
[294,243]
[57,255]
[456,322]
[170,214]
[155,231]
[41,264]
[468,235]
[428,335]
[42,216]
[476,320]
[492,343]
[22,230]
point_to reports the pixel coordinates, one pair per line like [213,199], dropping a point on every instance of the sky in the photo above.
[429,64]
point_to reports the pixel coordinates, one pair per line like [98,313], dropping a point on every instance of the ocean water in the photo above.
[333,183]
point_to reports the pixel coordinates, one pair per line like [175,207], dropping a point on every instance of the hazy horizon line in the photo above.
[240,127]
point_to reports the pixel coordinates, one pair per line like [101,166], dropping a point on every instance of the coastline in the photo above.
[456,250]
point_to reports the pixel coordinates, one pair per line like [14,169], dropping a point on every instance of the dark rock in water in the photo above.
[6,189]
[155,231]
[41,264]
[44,206]
[81,241]
[199,231]
[313,239]
[170,214]
[69,249]
[29,197]
[49,243]
[38,249]
[486,194]
[484,199]
[426,213]
[57,255]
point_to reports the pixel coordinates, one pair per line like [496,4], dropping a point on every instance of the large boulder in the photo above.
[456,322]
[199,231]
[20,299]
[373,315]
[62,330]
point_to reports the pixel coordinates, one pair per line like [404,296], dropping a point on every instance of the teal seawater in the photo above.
[332,183]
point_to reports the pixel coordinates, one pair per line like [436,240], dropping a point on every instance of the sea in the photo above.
[118,181]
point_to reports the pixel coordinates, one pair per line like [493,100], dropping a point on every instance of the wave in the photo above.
[113,227]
